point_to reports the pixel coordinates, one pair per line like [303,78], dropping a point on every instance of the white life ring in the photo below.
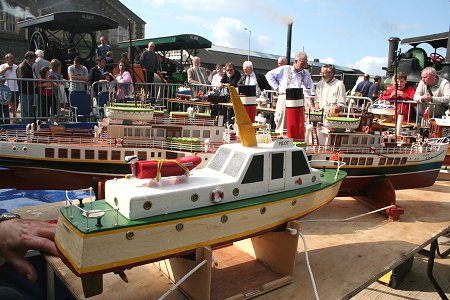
[118,141]
[217,195]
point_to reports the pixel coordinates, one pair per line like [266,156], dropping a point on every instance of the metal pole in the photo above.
[249,38]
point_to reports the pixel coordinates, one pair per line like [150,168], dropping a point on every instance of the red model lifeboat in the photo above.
[166,167]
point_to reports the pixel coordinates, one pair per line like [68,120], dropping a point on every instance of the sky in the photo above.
[350,33]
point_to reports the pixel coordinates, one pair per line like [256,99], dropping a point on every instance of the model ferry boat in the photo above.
[70,157]
[246,189]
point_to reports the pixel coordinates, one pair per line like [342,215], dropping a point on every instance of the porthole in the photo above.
[147,205]
[179,227]
[313,179]
[194,197]
[224,219]
[14,148]
[235,192]
[25,149]
[262,210]
[116,201]
[294,202]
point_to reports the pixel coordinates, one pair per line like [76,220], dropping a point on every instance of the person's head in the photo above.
[30,57]
[101,62]
[301,61]
[121,66]
[220,71]
[218,66]
[39,53]
[401,79]
[327,72]
[77,61]
[124,56]
[429,76]
[44,72]
[55,65]
[151,46]
[109,54]
[377,79]
[366,77]
[229,69]
[196,61]
[107,76]
[247,66]
[282,61]
[9,59]
[103,40]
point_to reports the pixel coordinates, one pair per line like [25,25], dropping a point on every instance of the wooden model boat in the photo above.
[246,188]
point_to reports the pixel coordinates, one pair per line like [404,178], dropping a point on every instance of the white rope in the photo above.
[351,218]
[182,280]
[311,275]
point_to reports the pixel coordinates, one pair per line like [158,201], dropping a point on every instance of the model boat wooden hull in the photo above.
[151,239]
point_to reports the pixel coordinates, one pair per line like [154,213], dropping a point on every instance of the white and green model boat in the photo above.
[245,189]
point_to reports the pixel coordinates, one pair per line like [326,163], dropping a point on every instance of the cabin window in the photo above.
[196,133]
[344,140]
[369,161]
[89,154]
[159,154]
[115,155]
[148,132]
[354,161]
[63,153]
[382,161]
[152,154]
[217,132]
[186,133]
[137,132]
[354,140]
[206,134]
[364,140]
[347,160]
[390,160]
[362,161]
[219,159]
[160,132]
[404,159]
[75,153]
[103,155]
[255,171]
[127,132]
[235,164]
[142,155]
[299,164]
[277,165]
[49,152]
[372,140]
[129,153]
[396,160]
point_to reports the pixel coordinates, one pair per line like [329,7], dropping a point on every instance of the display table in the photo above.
[346,257]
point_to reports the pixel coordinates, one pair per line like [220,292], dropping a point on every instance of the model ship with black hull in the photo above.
[246,189]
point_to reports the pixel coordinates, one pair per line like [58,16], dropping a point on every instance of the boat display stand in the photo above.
[381,193]
[242,270]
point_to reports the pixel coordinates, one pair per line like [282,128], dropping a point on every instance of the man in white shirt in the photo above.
[434,89]
[9,70]
[330,92]
[295,76]
[251,78]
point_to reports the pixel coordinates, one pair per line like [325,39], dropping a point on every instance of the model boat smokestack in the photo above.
[288,43]
[393,46]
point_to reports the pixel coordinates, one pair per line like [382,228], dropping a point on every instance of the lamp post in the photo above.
[249,38]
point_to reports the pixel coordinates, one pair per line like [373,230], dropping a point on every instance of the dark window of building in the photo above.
[299,164]
[49,152]
[255,171]
[277,165]
[75,153]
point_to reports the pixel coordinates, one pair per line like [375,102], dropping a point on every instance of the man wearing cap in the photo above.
[40,63]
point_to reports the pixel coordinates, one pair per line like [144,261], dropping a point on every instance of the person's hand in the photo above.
[426,98]
[20,235]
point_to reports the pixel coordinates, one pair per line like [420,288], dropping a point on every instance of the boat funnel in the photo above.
[393,46]
[245,126]
[247,93]
[295,113]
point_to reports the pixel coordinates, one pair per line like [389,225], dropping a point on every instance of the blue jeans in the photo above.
[26,107]
[4,114]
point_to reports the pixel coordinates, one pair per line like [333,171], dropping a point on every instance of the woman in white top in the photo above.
[215,81]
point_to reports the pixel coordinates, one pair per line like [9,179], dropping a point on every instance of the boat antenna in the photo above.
[245,126]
